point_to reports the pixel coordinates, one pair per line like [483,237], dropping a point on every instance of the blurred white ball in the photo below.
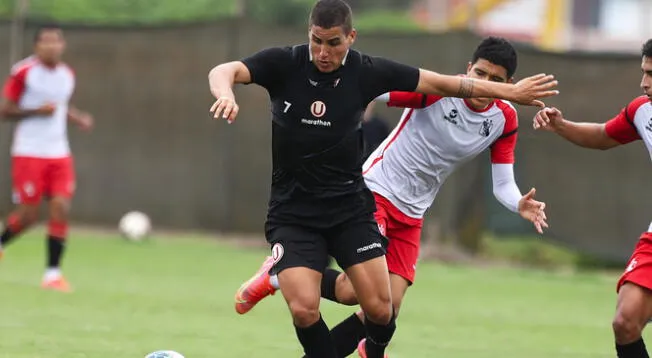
[135,226]
[164,354]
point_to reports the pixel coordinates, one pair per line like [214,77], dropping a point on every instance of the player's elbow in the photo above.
[432,83]
[232,72]
[500,197]
[605,144]
[496,192]
[214,72]
[5,113]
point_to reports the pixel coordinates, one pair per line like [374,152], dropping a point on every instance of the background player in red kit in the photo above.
[36,95]
[634,288]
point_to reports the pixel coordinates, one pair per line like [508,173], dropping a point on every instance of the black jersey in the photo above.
[317,142]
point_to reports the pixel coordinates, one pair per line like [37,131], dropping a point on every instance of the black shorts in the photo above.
[351,241]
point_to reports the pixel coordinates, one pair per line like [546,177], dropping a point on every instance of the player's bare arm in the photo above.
[587,135]
[221,80]
[10,111]
[528,91]
[82,119]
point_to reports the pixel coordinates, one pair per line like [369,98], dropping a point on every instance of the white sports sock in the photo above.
[52,274]
[273,280]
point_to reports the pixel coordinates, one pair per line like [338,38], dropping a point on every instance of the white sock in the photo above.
[273,280]
[52,274]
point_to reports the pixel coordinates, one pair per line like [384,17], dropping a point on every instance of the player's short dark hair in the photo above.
[332,13]
[646,51]
[498,51]
[45,28]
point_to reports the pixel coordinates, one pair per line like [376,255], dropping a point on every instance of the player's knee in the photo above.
[59,208]
[28,215]
[396,302]
[345,292]
[379,310]
[304,312]
[626,327]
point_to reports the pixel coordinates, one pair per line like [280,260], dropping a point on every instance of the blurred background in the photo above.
[141,68]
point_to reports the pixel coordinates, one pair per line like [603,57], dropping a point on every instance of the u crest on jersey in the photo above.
[318,109]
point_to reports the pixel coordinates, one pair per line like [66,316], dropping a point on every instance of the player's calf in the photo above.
[22,218]
[56,244]
[300,288]
[370,280]
[633,311]
[336,287]
[57,235]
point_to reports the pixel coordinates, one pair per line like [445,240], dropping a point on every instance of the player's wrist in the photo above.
[560,125]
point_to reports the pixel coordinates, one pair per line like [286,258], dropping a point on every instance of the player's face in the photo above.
[50,45]
[485,70]
[329,47]
[646,82]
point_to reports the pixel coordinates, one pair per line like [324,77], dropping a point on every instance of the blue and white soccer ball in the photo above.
[164,354]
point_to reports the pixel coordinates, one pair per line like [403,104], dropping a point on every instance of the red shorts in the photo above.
[639,267]
[34,178]
[404,235]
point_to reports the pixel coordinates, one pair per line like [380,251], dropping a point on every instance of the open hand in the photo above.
[531,89]
[533,211]
[225,107]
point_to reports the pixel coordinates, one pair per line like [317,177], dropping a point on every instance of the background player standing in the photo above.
[634,308]
[36,95]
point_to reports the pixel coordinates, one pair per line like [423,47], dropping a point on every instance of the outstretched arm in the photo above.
[587,135]
[527,91]
[507,193]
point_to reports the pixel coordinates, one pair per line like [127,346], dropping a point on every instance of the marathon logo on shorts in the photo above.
[375,245]
[277,252]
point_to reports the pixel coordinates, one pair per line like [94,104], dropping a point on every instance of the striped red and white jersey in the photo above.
[32,84]
[435,136]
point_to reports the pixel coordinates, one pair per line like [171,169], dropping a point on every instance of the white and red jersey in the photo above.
[31,85]
[634,122]
[434,136]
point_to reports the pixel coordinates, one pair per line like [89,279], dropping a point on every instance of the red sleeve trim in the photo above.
[502,151]
[411,99]
[14,87]
[621,127]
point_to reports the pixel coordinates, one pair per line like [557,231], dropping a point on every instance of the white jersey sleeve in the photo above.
[504,186]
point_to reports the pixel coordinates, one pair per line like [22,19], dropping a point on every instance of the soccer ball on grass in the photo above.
[164,354]
[135,226]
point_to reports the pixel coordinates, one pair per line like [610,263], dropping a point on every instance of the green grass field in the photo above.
[131,299]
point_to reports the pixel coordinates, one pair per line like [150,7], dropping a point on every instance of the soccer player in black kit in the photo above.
[319,204]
